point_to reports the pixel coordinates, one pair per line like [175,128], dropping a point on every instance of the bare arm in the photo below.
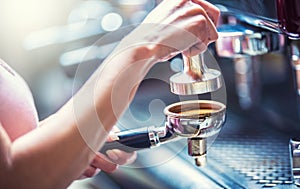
[55,154]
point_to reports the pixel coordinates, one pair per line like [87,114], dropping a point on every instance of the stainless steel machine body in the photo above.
[248,34]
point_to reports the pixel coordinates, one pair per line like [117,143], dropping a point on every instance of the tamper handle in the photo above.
[194,66]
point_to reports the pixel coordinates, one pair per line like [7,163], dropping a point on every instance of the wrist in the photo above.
[137,52]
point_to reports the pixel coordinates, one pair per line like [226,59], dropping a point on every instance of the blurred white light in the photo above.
[176,64]
[249,32]
[132,2]
[41,38]
[111,22]
[89,10]
[76,56]
[138,17]
[86,53]
[61,34]
[78,15]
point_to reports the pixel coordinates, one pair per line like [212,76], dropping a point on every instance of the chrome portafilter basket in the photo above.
[195,120]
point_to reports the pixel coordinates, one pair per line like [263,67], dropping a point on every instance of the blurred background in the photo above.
[38,37]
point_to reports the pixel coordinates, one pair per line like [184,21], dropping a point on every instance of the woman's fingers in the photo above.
[183,26]
[108,163]
[113,158]
[212,11]
[90,172]
[121,157]
[104,163]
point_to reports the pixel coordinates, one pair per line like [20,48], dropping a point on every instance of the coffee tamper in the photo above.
[196,78]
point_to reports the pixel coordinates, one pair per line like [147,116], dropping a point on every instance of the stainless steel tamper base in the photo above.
[183,84]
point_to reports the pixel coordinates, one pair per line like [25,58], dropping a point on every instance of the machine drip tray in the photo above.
[252,155]
[263,161]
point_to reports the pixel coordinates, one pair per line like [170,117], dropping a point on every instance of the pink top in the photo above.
[18,114]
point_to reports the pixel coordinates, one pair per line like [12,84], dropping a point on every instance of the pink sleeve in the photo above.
[18,114]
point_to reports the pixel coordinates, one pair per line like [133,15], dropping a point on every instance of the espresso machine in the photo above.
[250,31]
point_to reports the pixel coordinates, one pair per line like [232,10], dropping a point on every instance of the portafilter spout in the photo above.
[195,120]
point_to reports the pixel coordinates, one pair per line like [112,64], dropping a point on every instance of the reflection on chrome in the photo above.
[195,120]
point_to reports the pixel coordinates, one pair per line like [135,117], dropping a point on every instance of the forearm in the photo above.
[110,90]
[53,155]
[64,146]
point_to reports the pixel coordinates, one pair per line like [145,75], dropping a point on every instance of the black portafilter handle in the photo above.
[129,140]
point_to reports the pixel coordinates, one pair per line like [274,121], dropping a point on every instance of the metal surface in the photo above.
[255,20]
[197,120]
[279,16]
[194,119]
[249,154]
[289,17]
[197,148]
[256,158]
[237,41]
[265,9]
[244,43]
[295,61]
[196,78]
[295,154]
[248,81]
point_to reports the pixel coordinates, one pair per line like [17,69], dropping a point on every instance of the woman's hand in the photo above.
[110,161]
[176,26]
